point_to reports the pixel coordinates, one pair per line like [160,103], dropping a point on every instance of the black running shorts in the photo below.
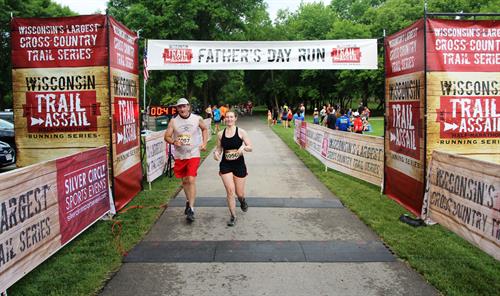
[239,170]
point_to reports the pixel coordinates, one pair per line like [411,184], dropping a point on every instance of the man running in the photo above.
[184,132]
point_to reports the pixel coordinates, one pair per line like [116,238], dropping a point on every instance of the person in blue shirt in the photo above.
[298,116]
[217,118]
[343,123]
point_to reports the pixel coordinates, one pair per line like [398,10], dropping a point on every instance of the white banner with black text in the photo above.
[262,55]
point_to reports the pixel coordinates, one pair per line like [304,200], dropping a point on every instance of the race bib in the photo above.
[185,140]
[231,154]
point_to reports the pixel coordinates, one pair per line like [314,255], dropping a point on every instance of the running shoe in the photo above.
[187,208]
[190,215]
[244,205]
[231,221]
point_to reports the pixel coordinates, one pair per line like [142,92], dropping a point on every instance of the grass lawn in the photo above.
[448,262]
[377,126]
[376,122]
[84,265]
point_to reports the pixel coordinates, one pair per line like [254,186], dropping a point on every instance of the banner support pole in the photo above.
[145,110]
[144,80]
[111,106]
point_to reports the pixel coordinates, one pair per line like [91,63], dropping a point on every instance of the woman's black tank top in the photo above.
[233,143]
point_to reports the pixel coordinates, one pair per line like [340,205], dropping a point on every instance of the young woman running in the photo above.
[231,143]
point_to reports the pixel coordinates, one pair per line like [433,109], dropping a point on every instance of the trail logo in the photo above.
[126,119]
[346,55]
[61,111]
[468,117]
[404,128]
[177,55]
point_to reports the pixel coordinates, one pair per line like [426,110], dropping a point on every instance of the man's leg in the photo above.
[189,185]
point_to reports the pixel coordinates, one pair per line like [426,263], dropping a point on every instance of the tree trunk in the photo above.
[2,107]
[276,104]
[206,92]
[190,85]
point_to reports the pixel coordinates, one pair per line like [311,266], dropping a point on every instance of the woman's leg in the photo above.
[227,179]
[239,184]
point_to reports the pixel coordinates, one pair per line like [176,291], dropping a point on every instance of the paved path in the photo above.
[296,239]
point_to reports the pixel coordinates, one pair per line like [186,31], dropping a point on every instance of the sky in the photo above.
[91,6]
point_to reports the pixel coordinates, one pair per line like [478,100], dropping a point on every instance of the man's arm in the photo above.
[204,134]
[169,134]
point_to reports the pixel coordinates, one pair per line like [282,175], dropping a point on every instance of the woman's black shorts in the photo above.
[239,170]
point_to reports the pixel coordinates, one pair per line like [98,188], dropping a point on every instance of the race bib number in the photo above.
[185,140]
[232,154]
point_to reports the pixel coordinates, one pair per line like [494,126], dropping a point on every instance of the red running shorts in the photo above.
[186,167]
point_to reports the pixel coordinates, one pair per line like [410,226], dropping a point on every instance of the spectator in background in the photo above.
[367,127]
[316,116]
[331,119]
[284,117]
[297,116]
[208,112]
[289,118]
[217,118]
[366,112]
[269,118]
[360,107]
[343,123]
[250,107]
[275,115]
[324,121]
[357,123]
[302,110]
[223,109]
[322,114]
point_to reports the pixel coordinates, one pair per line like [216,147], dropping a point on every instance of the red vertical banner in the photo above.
[404,105]
[124,71]
[82,191]
[463,88]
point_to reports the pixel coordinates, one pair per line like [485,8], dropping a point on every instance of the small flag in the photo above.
[146,73]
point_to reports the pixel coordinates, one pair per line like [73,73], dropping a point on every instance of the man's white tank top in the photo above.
[188,132]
